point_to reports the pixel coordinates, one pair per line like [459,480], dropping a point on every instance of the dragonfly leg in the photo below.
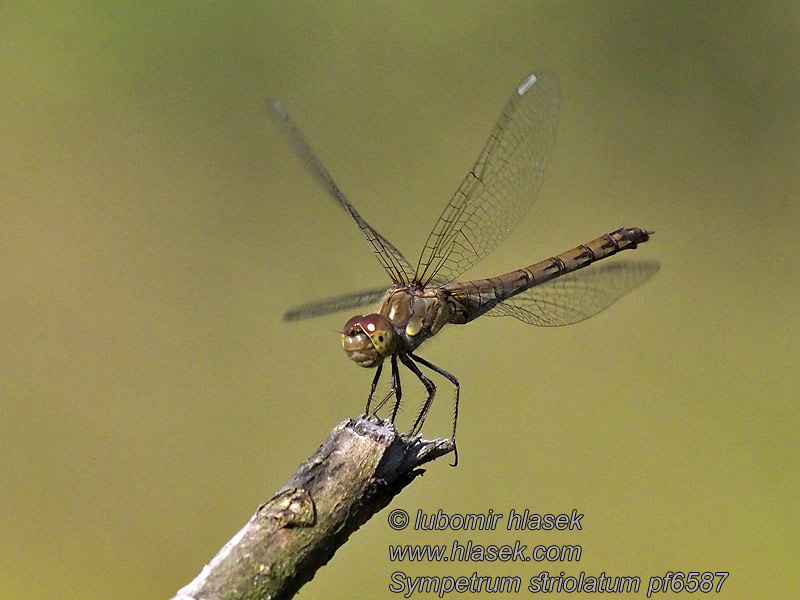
[395,389]
[429,385]
[396,386]
[451,378]
[372,388]
[383,402]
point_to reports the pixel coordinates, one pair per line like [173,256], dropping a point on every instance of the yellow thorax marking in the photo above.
[414,325]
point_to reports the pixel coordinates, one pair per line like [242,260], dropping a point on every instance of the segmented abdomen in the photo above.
[471,299]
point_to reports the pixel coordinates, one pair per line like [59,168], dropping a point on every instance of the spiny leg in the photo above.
[429,386]
[396,386]
[383,402]
[395,389]
[372,388]
[451,378]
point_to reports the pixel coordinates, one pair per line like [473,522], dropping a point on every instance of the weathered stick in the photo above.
[355,473]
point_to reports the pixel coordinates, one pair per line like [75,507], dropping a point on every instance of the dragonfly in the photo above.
[490,201]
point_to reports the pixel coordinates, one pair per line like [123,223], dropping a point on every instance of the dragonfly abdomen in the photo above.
[471,299]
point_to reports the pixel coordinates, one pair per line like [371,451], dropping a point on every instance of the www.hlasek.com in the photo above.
[541,582]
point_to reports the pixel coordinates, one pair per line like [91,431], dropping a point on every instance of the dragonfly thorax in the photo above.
[415,314]
[369,339]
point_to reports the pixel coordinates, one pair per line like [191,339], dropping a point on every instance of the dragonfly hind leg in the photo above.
[429,386]
[452,379]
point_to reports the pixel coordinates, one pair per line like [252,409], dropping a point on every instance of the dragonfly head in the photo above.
[368,340]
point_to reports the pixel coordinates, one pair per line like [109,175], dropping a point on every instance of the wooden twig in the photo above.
[355,473]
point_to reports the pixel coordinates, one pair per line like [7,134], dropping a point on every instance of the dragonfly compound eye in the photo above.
[368,340]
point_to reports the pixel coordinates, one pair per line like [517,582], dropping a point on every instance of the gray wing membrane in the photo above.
[576,296]
[334,304]
[500,188]
[391,259]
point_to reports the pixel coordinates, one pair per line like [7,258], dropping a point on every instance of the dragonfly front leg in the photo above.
[372,388]
[395,389]
[429,385]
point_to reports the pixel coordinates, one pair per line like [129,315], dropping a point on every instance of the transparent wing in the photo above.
[335,304]
[392,260]
[576,296]
[501,186]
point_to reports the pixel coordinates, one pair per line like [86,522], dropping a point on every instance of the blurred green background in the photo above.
[154,226]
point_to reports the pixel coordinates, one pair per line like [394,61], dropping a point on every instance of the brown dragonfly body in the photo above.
[490,201]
